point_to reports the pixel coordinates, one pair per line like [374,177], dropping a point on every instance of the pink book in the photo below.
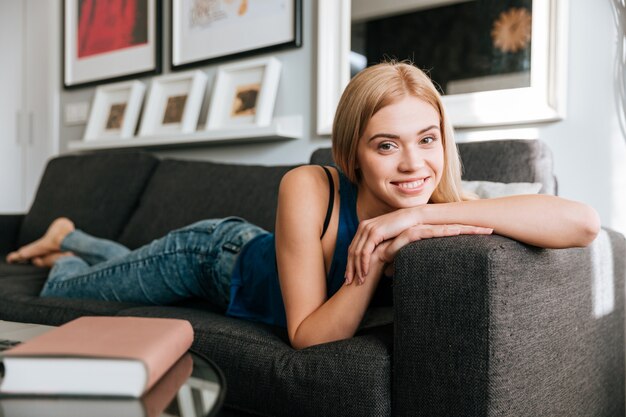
[118,356]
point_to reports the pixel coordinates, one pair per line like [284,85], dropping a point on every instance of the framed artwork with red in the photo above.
[110,40]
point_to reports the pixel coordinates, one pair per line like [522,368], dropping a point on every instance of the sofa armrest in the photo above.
[487,326]
[9,229]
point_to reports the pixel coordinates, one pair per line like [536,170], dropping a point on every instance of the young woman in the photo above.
[337,230]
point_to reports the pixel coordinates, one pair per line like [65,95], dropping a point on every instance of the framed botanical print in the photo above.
[110,40]
[209,30]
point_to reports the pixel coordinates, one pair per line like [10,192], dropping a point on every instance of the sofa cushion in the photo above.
[490,189]
[182,192]
[509,161]
[20,301]
[266,376]
[13,270]
[10,228]
[98,191]
[498,160]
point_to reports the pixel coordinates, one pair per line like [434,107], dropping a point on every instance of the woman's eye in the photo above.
[386,146]
[428,140]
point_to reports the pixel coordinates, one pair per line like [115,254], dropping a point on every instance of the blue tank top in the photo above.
[255,290]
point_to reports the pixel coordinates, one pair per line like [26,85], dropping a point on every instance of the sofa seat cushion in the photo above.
[97,191]
[12,270]
[266,376]
[20,301]
[183,192]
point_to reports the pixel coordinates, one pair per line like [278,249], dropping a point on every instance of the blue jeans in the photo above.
[195,261]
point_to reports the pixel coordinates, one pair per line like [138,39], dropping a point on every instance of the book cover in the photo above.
[119,356]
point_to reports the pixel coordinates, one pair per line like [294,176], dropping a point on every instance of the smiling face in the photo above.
[400,157]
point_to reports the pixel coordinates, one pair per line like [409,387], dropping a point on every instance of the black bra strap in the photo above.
[331,200]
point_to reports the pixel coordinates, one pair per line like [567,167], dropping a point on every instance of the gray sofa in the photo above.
[480,325]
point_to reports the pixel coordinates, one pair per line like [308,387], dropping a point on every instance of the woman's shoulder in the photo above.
[308,176]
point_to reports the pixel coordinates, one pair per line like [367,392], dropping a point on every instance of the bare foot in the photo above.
[47,261]
[49,243]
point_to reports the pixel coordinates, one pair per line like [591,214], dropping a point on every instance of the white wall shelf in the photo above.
[281,128]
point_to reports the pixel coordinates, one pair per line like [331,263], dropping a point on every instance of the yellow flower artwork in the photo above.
[512,30]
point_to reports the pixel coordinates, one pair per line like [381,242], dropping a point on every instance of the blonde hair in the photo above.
[379,86]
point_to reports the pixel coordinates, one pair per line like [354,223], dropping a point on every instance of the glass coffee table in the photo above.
[193,387]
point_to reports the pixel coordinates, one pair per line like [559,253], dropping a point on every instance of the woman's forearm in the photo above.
[539,220]
[339,317]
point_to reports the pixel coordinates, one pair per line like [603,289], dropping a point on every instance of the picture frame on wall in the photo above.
[115,111]
[203,31]
[244,94]
[173,104]
[107,41]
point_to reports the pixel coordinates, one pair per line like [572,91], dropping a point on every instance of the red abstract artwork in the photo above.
[111,25]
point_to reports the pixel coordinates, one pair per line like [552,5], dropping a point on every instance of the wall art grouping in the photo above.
[114,40]
[243,94]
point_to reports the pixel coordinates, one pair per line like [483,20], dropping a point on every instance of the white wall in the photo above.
[589,150]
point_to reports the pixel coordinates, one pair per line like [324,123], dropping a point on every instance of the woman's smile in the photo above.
[411,186]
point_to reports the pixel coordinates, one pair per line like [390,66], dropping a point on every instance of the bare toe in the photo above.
[14,257]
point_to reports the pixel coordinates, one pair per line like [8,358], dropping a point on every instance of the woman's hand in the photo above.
[373,232]
[358,261]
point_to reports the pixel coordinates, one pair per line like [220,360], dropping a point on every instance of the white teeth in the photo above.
[411,185]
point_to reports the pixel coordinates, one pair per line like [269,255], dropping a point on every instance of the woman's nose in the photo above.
[411,160]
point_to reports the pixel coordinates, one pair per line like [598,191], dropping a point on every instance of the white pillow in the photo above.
[488,189]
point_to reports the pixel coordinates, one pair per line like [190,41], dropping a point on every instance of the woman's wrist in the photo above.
[422,214]
[436,213]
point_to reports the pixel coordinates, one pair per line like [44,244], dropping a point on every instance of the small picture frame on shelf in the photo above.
[115,111]
[173,104]
[244,94]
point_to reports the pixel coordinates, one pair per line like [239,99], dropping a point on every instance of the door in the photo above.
[29,96]
[12,117]
[43,62]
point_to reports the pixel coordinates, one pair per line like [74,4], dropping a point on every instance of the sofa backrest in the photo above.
[135,198]
[512,160]
[98,191]
[182,192]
